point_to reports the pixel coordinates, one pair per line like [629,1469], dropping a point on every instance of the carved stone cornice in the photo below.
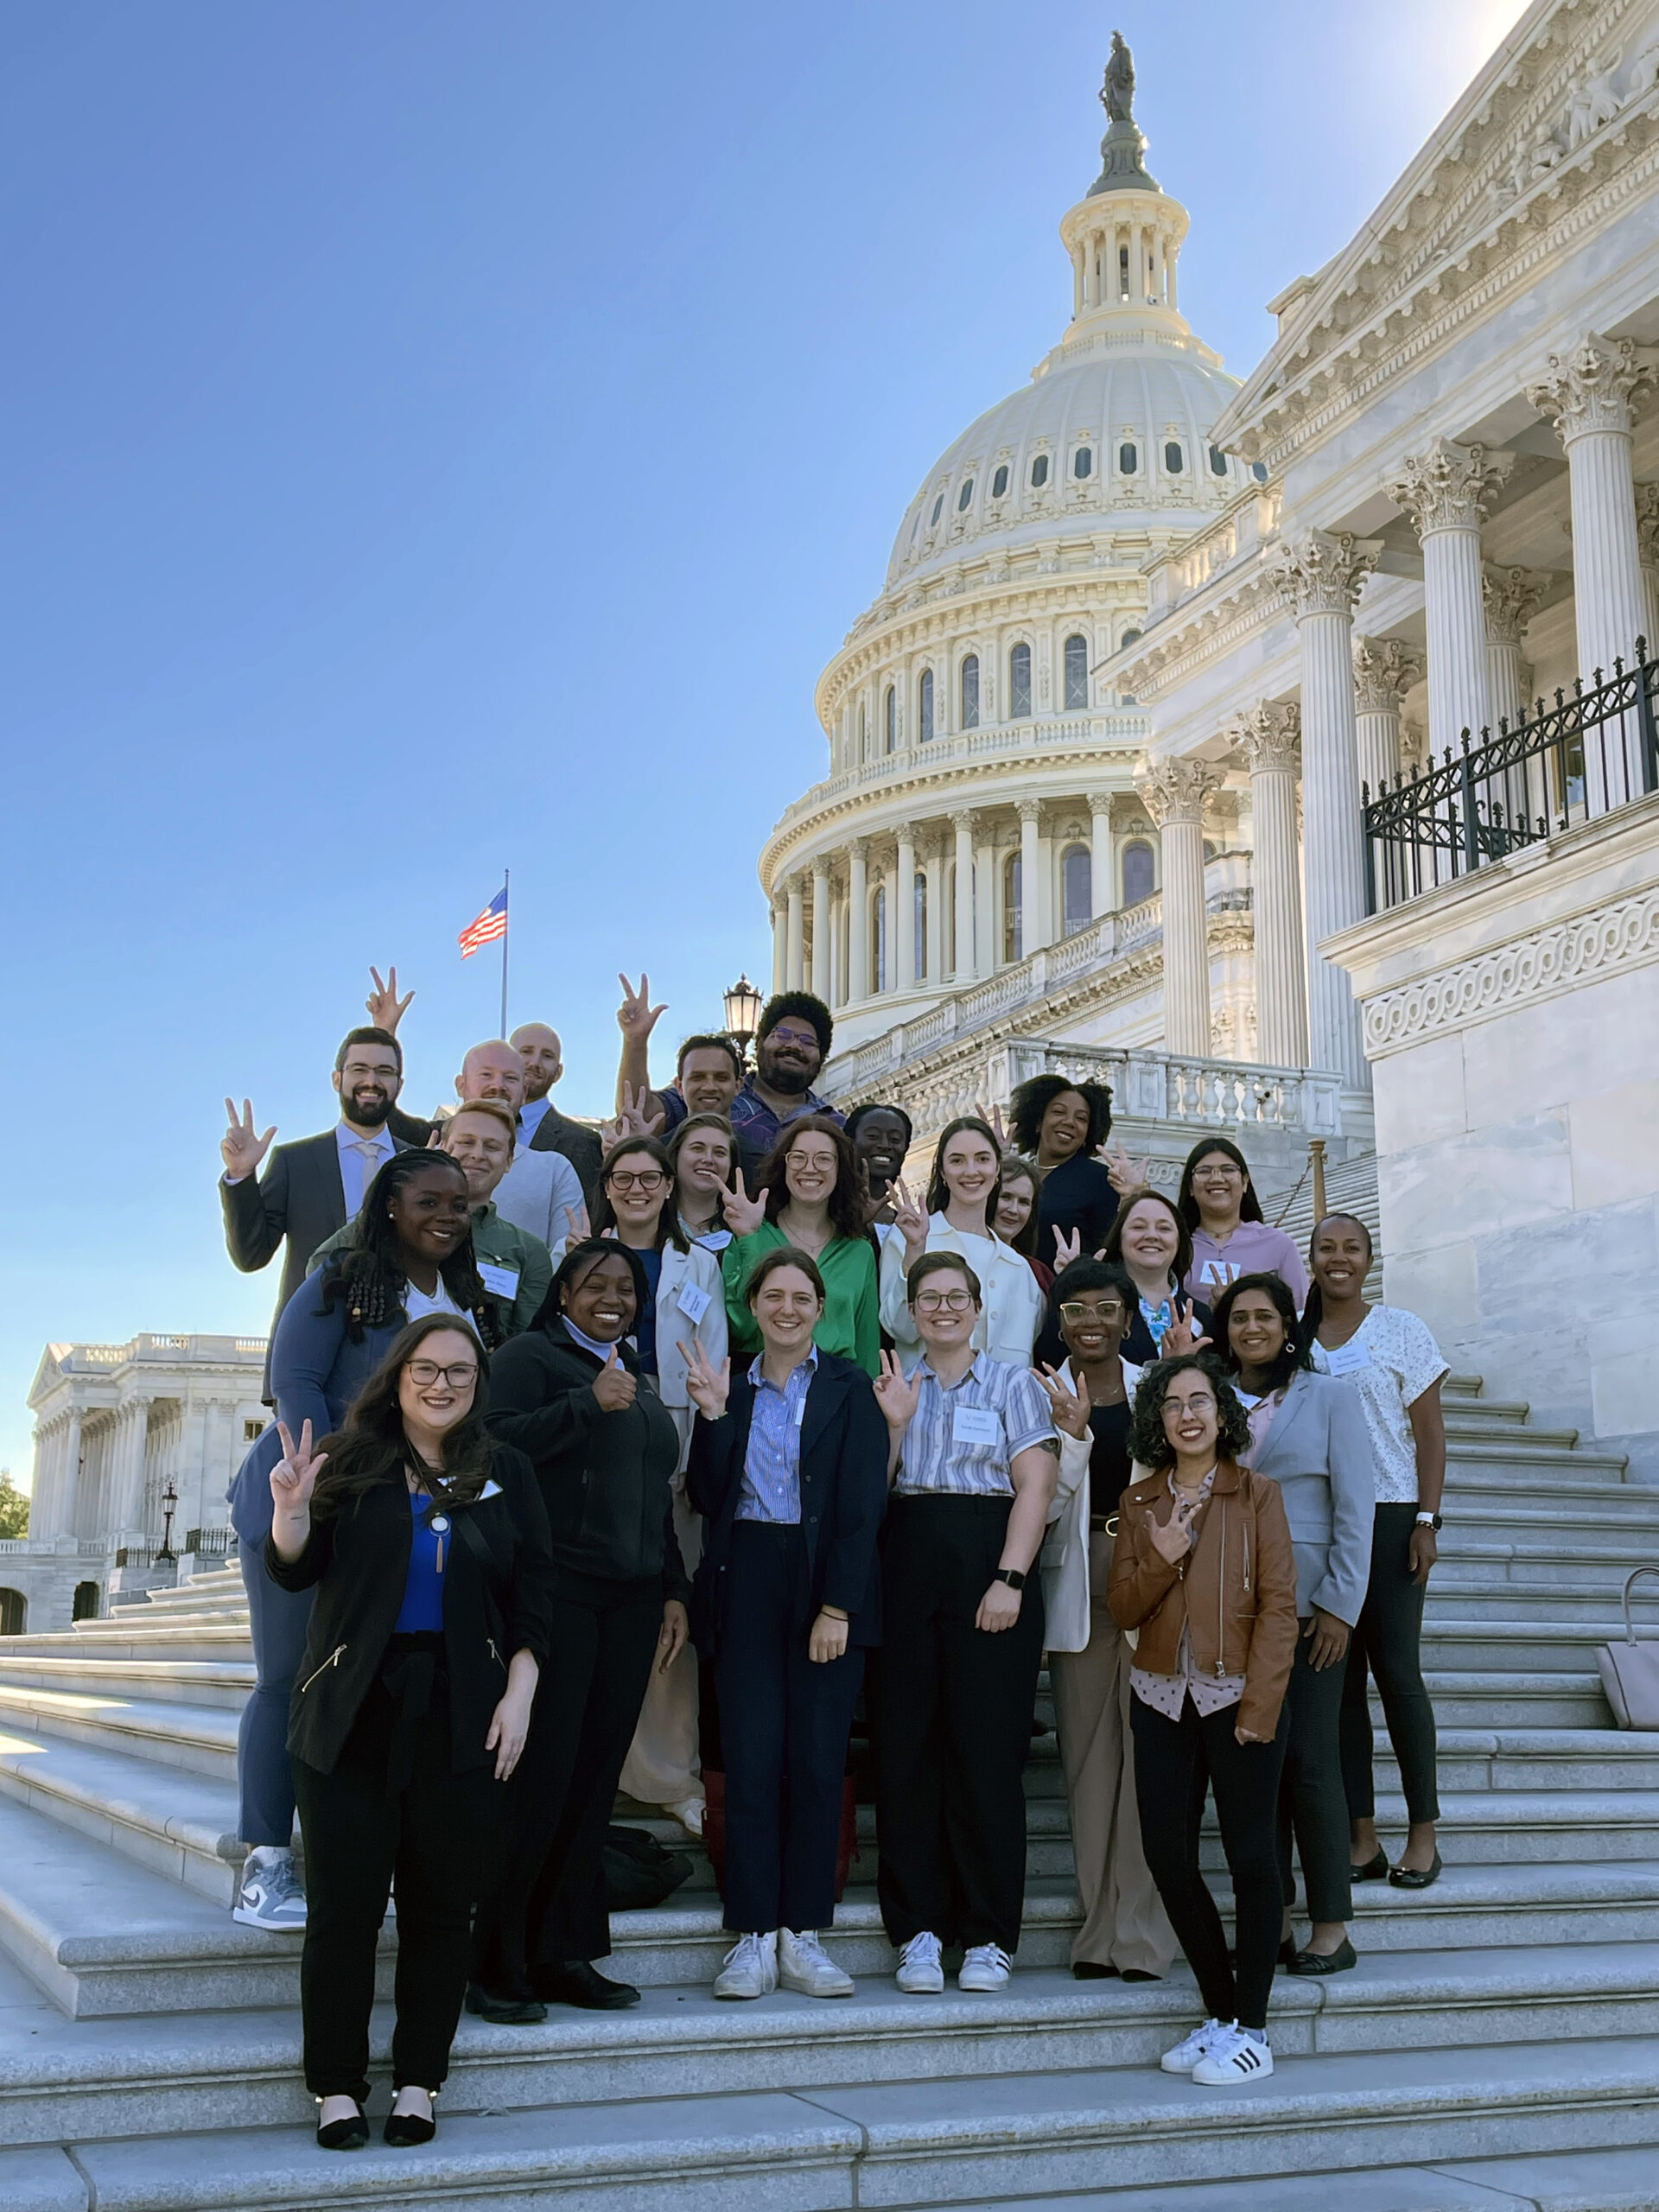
[962,817]
[1321,572]
[1176,790]
[1029,810]
[1512,596]
[1270,738]
[1448,486]
[1384,670]
[1594,387]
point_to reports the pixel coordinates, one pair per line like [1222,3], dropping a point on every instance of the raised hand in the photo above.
[1067,1249]
[897,1397]
[1069,1407]
[613,1388]
[577,1226]
[1173,1539]
[295,1475]
[238,1147]
[707,1385]
[385,1008]
[991,1117]
[635,1017]
[1183,1333]
[1126,1175]
[633,1121]
[911,1220]
[744,1215]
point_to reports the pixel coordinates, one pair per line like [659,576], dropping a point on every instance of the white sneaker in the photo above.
[1187,2053]
[921,1972]
[751,1967]
[806,1967]
[1239,2058]
[984,1967]
[270,1896]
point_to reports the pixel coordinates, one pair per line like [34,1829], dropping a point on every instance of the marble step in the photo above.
[224,1683]
[139,1639]
[200,1739]
[1454,1592]
[1467,1644]
[1600,1560]
[178,1824]
[1554,1698]
[1592,1475]
[963,2140]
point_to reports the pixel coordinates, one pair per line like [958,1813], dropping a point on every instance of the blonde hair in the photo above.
[496,1107]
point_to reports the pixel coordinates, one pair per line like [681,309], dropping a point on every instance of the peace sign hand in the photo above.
[632,1119]
[1173,1539]
[295,1475]
[744,1215]
[1182,1334]
[238,1147]
[1066,1248]
[635,1017]
[911,1221]
[1126,1175]
[1069,1407]
[386,1009]
[707,1386]
[897,1398]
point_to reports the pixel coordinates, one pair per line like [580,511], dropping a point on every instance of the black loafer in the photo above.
[506,2011]
[1374,1870]
[1140,1974]
[1091,1970]
[578,1982]
[404,2130]
[1287,1952]
[1415,1878]
[1313,1962]
[348,2134]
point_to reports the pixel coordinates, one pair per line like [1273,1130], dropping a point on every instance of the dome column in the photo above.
[901,918]
[820,928]
[1030,934]
[1174,793]
[1445,490]
[796,918]
[858,920]
[963,823]
[779,942]
[1099,852]
[935,879]
[1269,739]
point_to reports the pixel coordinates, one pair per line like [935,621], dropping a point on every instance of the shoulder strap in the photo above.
[477,1543]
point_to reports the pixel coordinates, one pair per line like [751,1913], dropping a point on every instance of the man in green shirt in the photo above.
[517,1268]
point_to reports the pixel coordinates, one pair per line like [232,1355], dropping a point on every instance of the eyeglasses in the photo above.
[949,1302]
[1072,1309]
[782,1036]
[424,1372]
[1189,1405]
[648,1180]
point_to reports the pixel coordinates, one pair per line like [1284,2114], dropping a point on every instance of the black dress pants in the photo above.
[1389,1643]
[1175,1763]
[952,1720]
[545,1905]
[786,1722]
[359,1831]
[1312,1801]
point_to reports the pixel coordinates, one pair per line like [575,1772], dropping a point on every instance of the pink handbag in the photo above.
[1630,1671]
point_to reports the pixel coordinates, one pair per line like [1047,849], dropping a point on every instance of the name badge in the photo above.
[1346,1357]
[800,1410]
[501,1282]
[976,1424]
[693,1301]
[1220,1272]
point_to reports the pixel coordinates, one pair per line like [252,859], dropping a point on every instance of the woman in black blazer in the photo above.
[425,1541]
[789,1467]
[567,1393]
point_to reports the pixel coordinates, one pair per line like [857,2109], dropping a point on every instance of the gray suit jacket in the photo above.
[580,1145]
[1318,1452]
[536,1193]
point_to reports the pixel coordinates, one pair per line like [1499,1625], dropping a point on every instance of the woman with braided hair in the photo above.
[411,1255]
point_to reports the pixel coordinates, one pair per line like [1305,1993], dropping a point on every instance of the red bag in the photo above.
[714,1829]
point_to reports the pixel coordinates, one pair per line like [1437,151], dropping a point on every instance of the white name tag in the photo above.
[501,1282]
[800,1410]
[1346,1357]
[1219,1272]
[976,1424]
[693,1301]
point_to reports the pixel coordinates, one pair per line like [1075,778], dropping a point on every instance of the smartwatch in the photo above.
[1429,1521]
[1010,1576]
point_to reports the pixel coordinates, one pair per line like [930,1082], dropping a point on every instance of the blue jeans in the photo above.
[279,1619]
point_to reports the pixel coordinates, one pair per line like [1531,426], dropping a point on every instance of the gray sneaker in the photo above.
[270,1896]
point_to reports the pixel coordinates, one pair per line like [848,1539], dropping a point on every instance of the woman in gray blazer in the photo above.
[1308,1432]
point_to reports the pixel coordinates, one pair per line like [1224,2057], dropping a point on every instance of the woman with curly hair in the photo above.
[1203,1569]
[1061,1125]
[809,1194]
[411,1254]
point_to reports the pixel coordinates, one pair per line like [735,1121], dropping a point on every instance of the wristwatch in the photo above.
[1010,1576]
[1429,1521]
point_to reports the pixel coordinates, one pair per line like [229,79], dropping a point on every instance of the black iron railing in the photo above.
[1591,750]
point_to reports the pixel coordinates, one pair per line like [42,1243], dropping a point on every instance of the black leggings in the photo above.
[1175,1763]
[1310,1803]
[1388,1643]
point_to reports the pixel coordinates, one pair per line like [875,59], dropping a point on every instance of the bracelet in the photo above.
[834,1613]
[1429,1521]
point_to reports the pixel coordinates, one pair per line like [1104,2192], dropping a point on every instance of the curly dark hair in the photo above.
[1294,1355]
[849,1201]
[806,1008]
[1034,1098]
[668,1219]
[1147,1442]
[367,1276]
[1249,1208]
[938,1191]
[371,1446]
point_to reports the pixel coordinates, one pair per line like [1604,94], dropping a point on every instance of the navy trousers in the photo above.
[278,1619]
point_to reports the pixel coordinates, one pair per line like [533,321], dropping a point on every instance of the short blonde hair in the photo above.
[496,1109]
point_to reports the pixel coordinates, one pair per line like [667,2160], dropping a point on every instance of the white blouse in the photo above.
[1390,1359]
[1011,1300]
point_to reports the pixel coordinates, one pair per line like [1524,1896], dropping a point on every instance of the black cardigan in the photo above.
[843,1496]
[358,1562]
[604,1478]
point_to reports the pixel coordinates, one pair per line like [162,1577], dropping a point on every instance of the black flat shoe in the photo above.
[578,1982]
[1091,1970]
[1287,1952]
[1374,1870]
[403,2130]
[1313,1962]
[351,2134]
[507,2011]
[1415,1878]
[1140,1974]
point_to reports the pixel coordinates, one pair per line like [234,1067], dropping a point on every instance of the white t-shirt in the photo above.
[416,1304]
[1390,1359]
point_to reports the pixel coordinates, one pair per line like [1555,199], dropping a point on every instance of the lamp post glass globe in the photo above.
[742,1013]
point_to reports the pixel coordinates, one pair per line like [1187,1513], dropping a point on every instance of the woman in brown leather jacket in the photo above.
[1203,1569]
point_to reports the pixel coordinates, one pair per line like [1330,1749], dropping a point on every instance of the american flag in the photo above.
[490,924]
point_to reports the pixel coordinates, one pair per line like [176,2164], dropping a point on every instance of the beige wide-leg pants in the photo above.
[1124,1924]
[662,1766]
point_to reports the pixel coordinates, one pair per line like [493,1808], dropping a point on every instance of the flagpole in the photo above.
[506,916]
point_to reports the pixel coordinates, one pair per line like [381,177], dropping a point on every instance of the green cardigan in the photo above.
[850,1326]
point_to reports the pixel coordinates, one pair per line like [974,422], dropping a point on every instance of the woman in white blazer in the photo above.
[636,1204]
[1125,1929]
[961,1200]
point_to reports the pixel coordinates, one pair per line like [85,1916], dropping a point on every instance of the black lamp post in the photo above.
[169,1507]
[742,1016]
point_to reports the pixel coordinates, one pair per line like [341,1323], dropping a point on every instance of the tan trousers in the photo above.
[1123,1923]
[661,1768]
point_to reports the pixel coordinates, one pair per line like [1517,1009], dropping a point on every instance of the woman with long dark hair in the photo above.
[424,1540]
[1308,1434]
[962,1195]
[1151,1242]
[1218,1204]
[1061,1125]
[1393,1362]
[809,1194]
[410,1254]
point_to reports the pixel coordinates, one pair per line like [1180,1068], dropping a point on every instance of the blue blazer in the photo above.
[1318,1452]
[843,1496]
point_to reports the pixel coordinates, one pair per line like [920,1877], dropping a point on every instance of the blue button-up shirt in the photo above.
[962,1439]
[772,1469]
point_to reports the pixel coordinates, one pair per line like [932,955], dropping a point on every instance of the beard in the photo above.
[788,1076]
[368,1110]
[536,1087]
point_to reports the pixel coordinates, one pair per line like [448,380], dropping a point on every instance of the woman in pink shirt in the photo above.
[1229,1239]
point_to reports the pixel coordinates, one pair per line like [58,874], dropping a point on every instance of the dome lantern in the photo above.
[1125,236]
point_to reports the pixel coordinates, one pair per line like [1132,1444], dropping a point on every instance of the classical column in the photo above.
[1587,395]
[1320,576]
[1174,793]
[858,921]
[1030,812]
[820,928]
[935,946]
[125,1514]
[1445,490]
[1511,597]
[1269,737]
[901,922]
[963,823]
[1384,670]
[986,885]
[1099,852]
[1647,539]
[796,919]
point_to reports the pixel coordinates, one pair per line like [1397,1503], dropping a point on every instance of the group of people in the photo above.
[665,1457]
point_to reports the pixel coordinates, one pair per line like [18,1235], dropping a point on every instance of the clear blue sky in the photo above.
[439,437]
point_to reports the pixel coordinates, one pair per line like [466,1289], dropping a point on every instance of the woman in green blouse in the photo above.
[809,1195]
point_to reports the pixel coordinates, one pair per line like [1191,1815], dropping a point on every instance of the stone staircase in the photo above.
[1497,2046]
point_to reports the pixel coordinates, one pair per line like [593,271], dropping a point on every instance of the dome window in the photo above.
[1040,472]
[891,712]
[1020,684]
[970,692]
[999,481]
[1259,470]
[1217,460]
[1014,900]
[1076,673]
[1174,459]
[939,509]
[1128,459]
[926,705]
[1076,888]
[1137,872]
[964,495]
[878,978]
[1083,462]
